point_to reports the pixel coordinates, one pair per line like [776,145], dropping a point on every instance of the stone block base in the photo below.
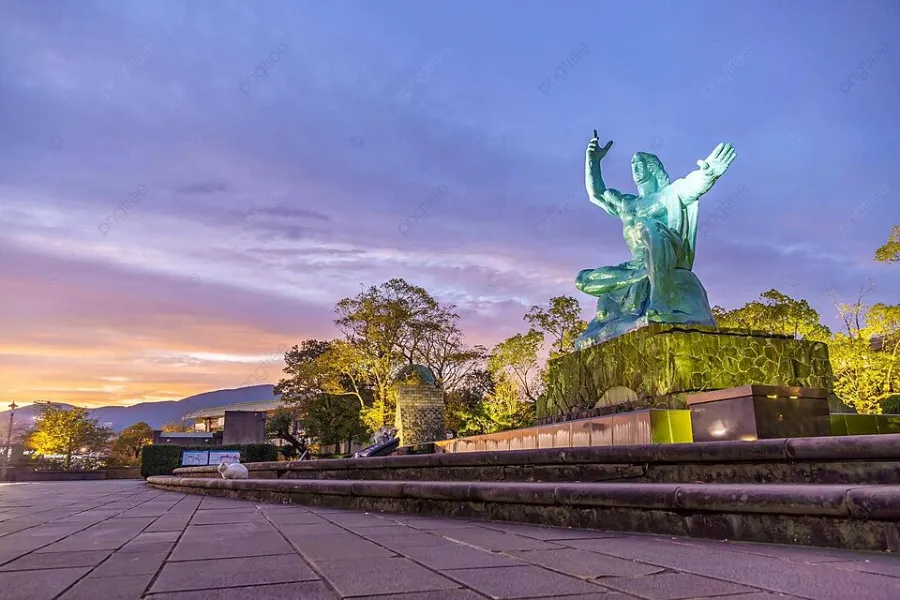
[661,364]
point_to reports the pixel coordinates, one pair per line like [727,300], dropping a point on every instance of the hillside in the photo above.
[157,413]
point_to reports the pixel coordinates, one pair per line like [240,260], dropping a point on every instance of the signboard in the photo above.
[224,456]
[194,458]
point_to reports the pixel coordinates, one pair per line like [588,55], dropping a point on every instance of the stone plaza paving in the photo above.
[122,539]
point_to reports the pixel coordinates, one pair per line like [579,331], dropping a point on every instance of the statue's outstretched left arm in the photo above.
[697,183]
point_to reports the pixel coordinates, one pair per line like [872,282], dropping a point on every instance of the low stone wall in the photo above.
[852,517]
[851,459]
[624,429]
[24,474]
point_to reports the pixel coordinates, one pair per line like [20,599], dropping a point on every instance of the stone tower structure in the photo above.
[420,406]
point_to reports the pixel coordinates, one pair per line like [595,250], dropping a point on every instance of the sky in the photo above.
[187,188]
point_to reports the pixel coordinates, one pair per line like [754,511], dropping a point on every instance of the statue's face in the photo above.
[646,170]
[640,170]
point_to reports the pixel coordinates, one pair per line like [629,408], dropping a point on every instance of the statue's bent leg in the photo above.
[604,280]
[661,248]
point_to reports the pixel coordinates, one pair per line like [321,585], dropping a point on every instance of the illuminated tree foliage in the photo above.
[865,356]
[775,312]
[384,328]
[562,322]
[890,251]
[175,427]
[66,431]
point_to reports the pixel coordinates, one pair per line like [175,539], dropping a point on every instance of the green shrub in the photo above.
[165,458]
[160,460]
[891,405]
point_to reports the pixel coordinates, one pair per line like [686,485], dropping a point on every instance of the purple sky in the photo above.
[172,212]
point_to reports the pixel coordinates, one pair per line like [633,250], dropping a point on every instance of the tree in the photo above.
[64,431]
[777,313]
[130,442]
[282,424]
[865,357]
[561,321]
[517,379]
[384,328]
[516,359]
[504,408]
[445,352]
[465,409]
[304,374]
[890,251]
[332,419]
[175,427]
[392,319]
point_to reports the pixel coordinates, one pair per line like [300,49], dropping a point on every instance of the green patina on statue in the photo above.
[660,228]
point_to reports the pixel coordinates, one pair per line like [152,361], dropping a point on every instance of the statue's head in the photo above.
[649,174]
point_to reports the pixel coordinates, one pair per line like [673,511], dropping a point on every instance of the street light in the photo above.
[7,451]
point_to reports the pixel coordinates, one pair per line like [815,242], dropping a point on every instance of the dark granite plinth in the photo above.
[759,412]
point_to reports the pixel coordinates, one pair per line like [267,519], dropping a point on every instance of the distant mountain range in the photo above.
[157,413]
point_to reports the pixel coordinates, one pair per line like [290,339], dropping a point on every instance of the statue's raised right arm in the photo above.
[697,183]
[607,199]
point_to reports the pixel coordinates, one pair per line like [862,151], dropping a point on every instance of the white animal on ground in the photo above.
[233,471]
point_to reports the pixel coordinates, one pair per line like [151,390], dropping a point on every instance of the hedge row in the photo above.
[164,458]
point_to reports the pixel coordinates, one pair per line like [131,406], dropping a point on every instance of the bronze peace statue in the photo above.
[660,228]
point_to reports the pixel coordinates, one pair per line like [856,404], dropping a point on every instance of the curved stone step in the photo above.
[856,517]
[865,459]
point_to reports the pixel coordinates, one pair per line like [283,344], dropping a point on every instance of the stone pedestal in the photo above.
[757,412]
[661,364]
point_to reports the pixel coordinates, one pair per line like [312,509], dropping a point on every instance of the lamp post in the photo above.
[7,451]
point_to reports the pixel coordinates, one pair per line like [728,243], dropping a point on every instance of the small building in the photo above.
[212,419]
